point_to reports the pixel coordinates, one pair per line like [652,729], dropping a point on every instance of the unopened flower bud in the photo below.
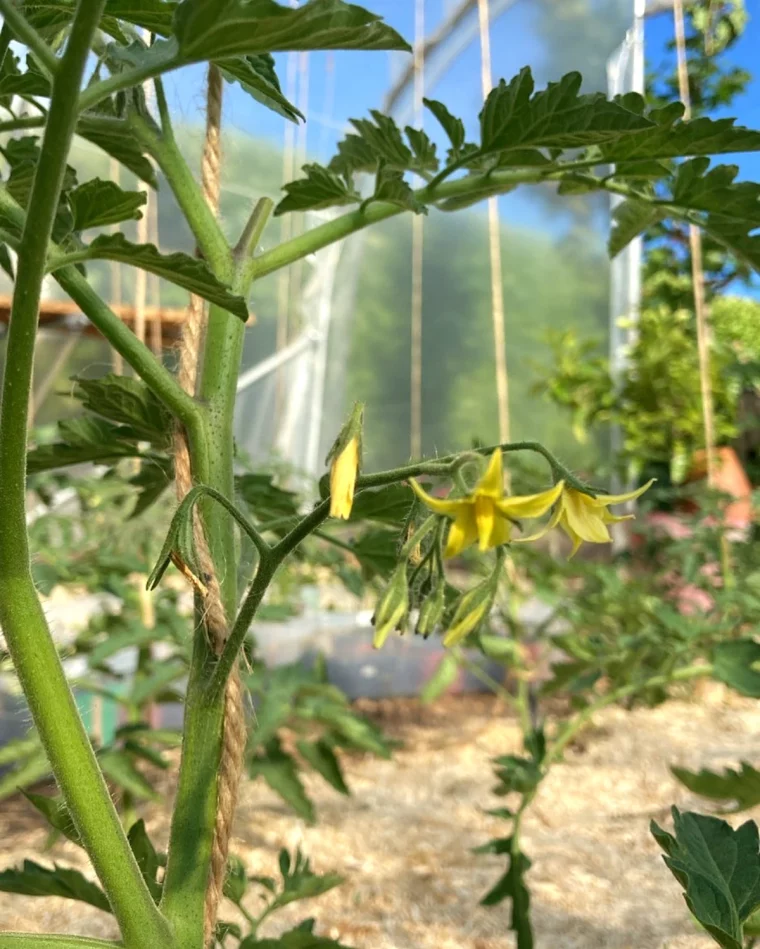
[345,459]
[472,610]
[392,607]
[432,610]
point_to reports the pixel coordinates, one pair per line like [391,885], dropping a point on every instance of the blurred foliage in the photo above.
[657,402]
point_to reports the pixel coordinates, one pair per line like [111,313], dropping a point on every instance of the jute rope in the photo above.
[214,616]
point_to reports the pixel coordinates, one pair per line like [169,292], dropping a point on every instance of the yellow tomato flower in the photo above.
[485,515]
[343,471]
[585,518]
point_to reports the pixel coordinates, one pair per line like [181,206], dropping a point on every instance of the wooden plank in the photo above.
[65,315]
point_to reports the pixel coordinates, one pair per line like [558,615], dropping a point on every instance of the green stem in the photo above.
[22,122]
[482,676]
[329,232]
[123,340]
[253,230]
[25,33]
[195,807]
[204,225]
[136,354]
[153,66]
[577,724]
[21,615]
[266,570]
[447,465]
[420,534]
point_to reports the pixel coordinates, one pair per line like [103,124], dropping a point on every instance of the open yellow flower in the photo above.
[585,518]
[485,515]
[343,471]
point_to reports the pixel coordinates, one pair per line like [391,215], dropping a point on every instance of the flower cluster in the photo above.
[485,515]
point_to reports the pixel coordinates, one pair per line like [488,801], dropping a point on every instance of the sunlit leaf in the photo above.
[319,189]
[719,869]
[210,29]
[35,880]
[629,219]
[185,271]
[742,788]
[98,203]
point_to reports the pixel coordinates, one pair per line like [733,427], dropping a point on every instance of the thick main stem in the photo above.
[21,615]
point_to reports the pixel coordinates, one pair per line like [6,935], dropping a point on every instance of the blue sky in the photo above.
[337,86]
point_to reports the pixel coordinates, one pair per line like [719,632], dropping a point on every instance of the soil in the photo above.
[404,838]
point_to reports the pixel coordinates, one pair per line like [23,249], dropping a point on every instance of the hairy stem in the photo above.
[158,379]
[29,640]
[208,234]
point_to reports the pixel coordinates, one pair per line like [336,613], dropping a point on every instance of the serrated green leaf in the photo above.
[24,84]
[667,138]
[31,770]
[629,219]
[156,16]
[280,772]
[322,758]
[377,552]
[354,155]
[294,939]
[388,505]
[236,880]
[146,857]
[266,500]
[116,139]
[118,767]
[741,787]
[128,402]
[383,137]
[256,75]
[443,678]
[319,189]
[555,117]
[83,440]
[153,478]
[99,203]
[424,156]
[451,125]
[512,886]
[391,187]
[299,882]
[210,29]
[35,880]
[733,663]
[55,812]
[719,869]
[178,268]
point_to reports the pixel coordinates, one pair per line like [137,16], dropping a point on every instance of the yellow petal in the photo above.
[621,498]
[501,532]
[530,505]
[463,532]
[485,518]
[573,537]
[616,518]
[343,480]
[542,531]
[583,518]
[439,505]
[491,485]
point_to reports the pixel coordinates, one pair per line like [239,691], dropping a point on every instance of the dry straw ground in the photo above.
[404,839]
